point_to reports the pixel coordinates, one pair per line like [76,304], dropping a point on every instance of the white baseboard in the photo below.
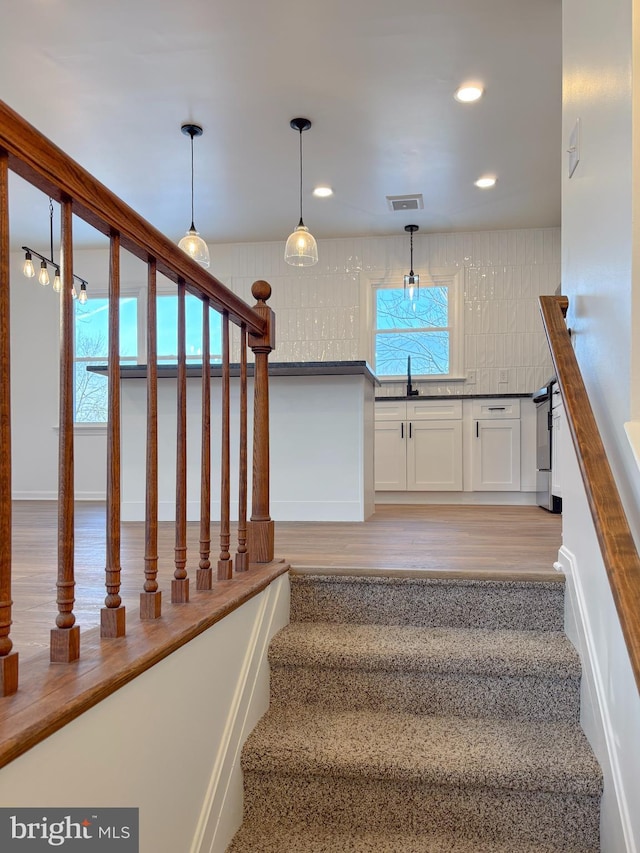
[53,496]
[280,510]
[458,498]
[617,829]
[221,812]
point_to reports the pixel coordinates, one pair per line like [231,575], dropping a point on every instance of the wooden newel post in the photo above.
[261,532]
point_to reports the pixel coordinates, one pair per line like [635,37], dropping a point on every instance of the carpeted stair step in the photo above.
[428,601]
[436,671]
[388,772]
[288,838]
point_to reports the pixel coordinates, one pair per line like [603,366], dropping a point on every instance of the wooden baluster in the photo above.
[261,531]
[112,615]
[242,555]
[225,563]
[8,658]
[65,638]
[151,598]
[180,582]
[203,575]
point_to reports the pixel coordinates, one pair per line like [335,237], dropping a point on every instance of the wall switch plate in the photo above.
[574,148]
[471,377]
[503,376]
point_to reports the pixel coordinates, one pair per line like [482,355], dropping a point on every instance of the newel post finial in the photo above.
[261,292]
[260,529]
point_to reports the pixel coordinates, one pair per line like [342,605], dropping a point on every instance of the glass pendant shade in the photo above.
[301,249]
[193,244]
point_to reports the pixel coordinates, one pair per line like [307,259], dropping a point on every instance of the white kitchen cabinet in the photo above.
[434,456]
[495,455]
[390,463]
[418,446]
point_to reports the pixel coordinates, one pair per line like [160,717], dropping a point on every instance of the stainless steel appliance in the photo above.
[544,438]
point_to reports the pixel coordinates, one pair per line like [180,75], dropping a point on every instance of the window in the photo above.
[91,322]
[91,326]
[426,328]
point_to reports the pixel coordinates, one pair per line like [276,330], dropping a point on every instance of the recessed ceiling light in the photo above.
[468,93]
[323,192]
[486,182]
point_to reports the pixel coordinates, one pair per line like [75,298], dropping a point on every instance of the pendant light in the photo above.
[192,243]
[301,249]
[45,262]
[412,280]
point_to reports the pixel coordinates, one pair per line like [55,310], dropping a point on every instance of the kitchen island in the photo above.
[322,440]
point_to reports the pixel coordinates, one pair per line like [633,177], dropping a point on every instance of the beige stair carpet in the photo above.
[421,715]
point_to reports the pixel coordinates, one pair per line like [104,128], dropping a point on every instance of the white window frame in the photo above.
[450,278]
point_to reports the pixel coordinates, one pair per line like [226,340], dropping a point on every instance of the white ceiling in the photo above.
[111,81]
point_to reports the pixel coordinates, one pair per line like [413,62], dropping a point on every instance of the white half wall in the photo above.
[168,742]
[610,704]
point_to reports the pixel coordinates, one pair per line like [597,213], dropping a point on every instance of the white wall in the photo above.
[321,315]
[600,279]
[168,742]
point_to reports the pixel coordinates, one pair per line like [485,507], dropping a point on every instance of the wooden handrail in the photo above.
[32,156]
[618,548]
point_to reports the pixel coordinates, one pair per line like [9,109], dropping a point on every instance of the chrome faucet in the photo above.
[410,391]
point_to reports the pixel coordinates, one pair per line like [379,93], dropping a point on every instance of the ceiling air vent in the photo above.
[405,202]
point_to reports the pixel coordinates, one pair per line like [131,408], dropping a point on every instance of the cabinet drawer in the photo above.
[492,409]
[390,410]
[434,410]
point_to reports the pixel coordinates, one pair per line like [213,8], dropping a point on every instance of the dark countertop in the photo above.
[455,397]
[281,368]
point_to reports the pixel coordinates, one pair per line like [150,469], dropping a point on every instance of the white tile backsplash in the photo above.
[318,309]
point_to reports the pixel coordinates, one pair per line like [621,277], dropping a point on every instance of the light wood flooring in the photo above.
[491,539]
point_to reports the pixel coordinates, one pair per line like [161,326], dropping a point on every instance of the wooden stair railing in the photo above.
[616,542]
[26,152]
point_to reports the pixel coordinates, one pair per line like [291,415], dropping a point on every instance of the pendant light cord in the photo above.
[193,227]
[51,227]
[301,222]
[411,244]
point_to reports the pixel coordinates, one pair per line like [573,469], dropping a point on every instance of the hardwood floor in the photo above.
[496,539]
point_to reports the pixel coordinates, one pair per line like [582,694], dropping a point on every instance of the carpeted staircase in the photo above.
[421,715]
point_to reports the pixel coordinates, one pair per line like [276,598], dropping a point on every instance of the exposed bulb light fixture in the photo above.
[28,269]
[486,182]
[43,274]
[192,243]
[82,296]
[301,249]
[468,93]
[412,280]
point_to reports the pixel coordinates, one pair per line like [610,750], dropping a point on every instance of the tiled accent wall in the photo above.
[320,309]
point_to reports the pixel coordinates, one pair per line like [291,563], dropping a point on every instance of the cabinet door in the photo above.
[434,456]
[390,456]
[496,456]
